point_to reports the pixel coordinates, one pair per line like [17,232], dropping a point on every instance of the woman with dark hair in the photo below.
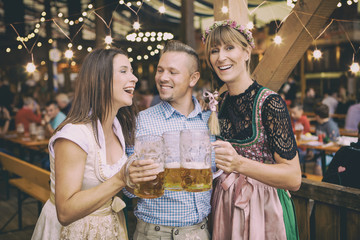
[87,153]
[257,150]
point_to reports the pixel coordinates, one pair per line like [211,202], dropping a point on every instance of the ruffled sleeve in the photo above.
[276,120]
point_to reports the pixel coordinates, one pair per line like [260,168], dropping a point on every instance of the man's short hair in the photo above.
[296,104]
[51,102]
[322,111]
[177,46]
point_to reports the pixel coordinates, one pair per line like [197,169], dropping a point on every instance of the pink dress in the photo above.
[242,207]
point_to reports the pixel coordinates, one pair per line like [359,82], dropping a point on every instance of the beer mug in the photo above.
[171,155]
[195,154]
[150,147]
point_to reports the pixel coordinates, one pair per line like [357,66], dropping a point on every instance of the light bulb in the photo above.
[162,9]
[30,67]
[355,67]
[136,25]
[277,39]
[317,54]
[69,54]
[108,39]
[224,9]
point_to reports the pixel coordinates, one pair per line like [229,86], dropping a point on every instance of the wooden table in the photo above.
[27,142]
[343,131]
[323,148]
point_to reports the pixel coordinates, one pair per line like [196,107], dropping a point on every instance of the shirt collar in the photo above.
[170,110]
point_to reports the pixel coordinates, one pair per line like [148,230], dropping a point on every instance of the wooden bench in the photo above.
[32,180]
[327,211]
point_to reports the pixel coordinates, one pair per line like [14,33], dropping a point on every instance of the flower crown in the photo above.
[231,23]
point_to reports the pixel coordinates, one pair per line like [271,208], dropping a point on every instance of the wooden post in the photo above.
[49,63]
[280,60]
[302,77]
[238,11]
[99,24]
[187,22]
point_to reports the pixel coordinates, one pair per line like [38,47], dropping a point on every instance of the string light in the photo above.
[30,67]
[42,63]
[162,9]
[317,54]
[108,39]
[136,25]
[349,2]
[90,6]
[339,4]
[60,14]
[89,49]
[39,44]
[224,9]
[69,54]
[277,40]
[250,25]
[121,2]
[131,59]
[129,49]
[84,14]
[50,41]
[70,45]
[8,50]
[79,47]
[355,67]
[43,14]
[42,19]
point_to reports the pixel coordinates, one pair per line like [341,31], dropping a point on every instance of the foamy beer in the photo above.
[173,177]
[195,154]
[171,146]
[196,177]
[150,147]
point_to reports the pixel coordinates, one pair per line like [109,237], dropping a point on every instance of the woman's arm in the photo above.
[72,203]
[285,174]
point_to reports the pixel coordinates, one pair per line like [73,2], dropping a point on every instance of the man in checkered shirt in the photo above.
[175,215]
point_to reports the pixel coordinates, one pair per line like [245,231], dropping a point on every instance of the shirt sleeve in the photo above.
[277,123]
[77,133]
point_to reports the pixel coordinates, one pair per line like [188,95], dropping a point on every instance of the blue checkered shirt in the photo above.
[176,209]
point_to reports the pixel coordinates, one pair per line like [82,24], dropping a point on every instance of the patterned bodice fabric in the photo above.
[257,124]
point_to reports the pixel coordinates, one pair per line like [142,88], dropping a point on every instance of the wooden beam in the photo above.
[238,11]
[187,22]
[280,60]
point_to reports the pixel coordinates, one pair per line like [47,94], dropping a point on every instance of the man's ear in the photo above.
[194,78]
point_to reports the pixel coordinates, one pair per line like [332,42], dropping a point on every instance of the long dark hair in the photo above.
[93,95]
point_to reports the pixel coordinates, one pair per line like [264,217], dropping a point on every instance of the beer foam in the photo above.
[195,165]
[172,165]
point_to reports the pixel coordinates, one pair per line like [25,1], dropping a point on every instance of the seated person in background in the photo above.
[309,100]
[26,114]
[63,102]
[352,117]
[325,125]
[345,166]
[53,116]
[298,117]
[330,99]
[4,120]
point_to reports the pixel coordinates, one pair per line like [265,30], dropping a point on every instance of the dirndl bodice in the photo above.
[242,207]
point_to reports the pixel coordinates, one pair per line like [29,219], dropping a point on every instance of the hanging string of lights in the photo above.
[155,36]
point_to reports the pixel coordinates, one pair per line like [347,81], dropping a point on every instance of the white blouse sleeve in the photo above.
[77,133]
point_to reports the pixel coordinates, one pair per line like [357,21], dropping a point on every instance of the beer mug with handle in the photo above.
[195,153]
[150,147]
[172,160]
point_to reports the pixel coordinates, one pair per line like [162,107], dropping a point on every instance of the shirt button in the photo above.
[202,226]
[157,228]
[176,232]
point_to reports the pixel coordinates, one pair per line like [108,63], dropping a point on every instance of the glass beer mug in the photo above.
[195,153]
[172,160]
[150,147]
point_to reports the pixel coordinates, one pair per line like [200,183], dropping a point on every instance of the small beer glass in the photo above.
[195,154]
[150,147]
[172,160]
